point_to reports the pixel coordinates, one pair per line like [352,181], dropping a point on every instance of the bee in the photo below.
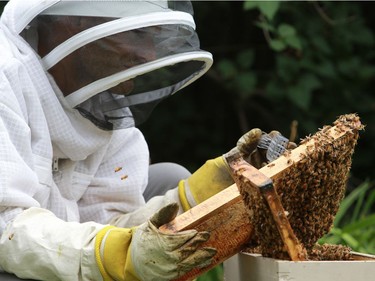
[117,169]
[124,177]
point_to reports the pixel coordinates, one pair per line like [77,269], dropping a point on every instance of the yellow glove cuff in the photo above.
[182,195]
[116,263]
[211,178]
[98,241]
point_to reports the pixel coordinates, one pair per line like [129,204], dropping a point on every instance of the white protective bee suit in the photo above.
[59,150]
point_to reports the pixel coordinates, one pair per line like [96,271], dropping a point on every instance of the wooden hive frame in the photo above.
[225,215]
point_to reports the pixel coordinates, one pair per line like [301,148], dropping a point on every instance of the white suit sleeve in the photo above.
[40,246]
[18,181]
[144,213]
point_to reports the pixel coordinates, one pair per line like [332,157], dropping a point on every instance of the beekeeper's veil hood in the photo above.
[115,60]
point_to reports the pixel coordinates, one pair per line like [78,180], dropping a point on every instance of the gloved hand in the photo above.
[256,147]
[259,148]
[145,253]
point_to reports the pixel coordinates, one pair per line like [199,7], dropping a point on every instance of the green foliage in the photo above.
[319,64]
[237,75]
[274,62]
[267,8]
[354,224]
[215,274]
[279,37]
[311,53]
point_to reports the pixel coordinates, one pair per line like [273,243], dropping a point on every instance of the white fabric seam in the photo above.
[103,84]
[32,13]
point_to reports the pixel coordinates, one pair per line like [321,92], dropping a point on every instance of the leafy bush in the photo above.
[276,62]
[354,224]
[215,274]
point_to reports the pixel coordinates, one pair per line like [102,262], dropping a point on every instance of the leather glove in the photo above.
[259,148]
[145,253]
[256,147]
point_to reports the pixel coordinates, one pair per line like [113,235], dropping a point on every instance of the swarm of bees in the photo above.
[310,191]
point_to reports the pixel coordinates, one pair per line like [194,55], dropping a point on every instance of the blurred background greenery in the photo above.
[275,62]
[278,63]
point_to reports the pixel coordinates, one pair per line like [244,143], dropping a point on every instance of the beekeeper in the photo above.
[77,77]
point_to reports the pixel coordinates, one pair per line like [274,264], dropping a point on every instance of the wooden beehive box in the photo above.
[254,267]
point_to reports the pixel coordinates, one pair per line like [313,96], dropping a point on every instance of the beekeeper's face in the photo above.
[98,59]
[115,64]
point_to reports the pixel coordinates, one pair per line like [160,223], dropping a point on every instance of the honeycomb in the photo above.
[310,191]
